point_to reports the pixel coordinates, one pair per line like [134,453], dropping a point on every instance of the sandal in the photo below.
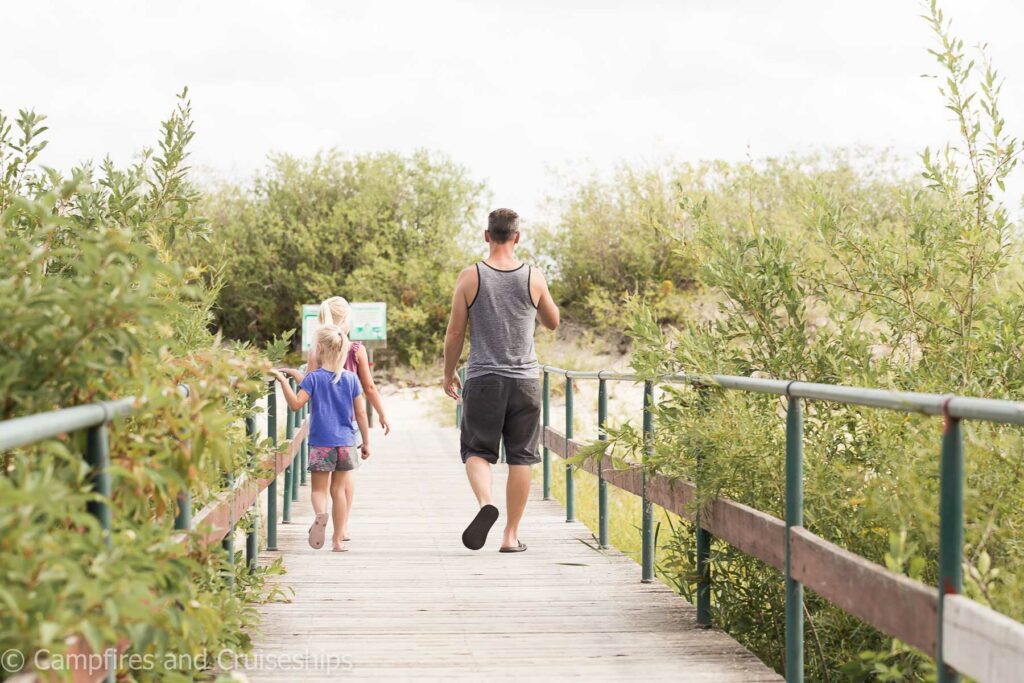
[318,531]
[520,547]
[475,534]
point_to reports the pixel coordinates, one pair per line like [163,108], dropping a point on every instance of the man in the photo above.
[501,299]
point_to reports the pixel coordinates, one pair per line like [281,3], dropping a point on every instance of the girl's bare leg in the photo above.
[339,511]
[318,495]
[350,492]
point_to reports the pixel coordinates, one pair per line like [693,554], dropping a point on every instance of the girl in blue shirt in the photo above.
[335,394]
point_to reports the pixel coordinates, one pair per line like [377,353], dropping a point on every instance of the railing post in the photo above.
[183,517]
[602,485]
[304,446]
[546,420]
[295,458]
[252,538]
[289,470]
[647,525]
[228,542]
[703,572]
[272,488]
[794,518]
[951,527]
[570,492]
[97,454]
[704,537]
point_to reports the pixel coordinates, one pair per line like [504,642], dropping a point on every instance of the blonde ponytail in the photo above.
[335,311]
[332,347]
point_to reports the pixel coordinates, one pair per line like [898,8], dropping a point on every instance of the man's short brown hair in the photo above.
[502,224]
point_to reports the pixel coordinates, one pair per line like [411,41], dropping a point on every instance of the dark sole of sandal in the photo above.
[318,532]
[475,534]
[513,549]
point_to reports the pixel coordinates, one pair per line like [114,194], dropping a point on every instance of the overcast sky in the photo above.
[509,89]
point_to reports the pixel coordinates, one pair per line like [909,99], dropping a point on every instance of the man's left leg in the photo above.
[482,415]
[522,434]
[478,470]
[517,492]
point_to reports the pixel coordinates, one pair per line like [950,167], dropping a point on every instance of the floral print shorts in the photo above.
[331,459]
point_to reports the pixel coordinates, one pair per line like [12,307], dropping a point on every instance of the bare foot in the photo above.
[510,539]
[339,547]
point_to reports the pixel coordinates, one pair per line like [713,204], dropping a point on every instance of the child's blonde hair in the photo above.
[334,311]
[332,347]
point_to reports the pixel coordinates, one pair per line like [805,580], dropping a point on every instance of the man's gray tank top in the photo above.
[502,319]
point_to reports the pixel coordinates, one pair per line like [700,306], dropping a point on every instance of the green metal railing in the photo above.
[95,419]
[954,409]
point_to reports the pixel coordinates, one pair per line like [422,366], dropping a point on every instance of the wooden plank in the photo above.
[754,532]
[980,642]
[751,531]
[630,479]
[675,495]
[893,603]
[215,520]
[554,441]
[409,601]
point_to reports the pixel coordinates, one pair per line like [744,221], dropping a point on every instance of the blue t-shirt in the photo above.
[332,407]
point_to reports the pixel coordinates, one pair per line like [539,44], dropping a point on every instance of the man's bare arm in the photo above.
[547,311]
[455,337]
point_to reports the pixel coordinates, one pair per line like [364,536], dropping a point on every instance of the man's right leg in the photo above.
[479,472]
[522,433]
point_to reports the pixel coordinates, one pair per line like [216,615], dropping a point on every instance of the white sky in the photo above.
[509,89]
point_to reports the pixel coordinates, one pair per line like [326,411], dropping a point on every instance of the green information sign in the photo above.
[369,321]
[310,324]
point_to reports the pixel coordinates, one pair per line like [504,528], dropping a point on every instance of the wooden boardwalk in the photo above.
[408,601]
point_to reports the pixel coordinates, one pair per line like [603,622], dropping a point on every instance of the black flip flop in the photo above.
[475,534]
[510,549]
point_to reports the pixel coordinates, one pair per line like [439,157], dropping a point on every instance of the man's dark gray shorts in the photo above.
[494,406]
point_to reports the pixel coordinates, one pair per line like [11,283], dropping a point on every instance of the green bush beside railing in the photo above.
[964,636]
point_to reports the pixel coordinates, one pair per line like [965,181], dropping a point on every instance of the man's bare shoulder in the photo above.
[468,277]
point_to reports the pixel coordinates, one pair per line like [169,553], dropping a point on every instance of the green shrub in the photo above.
[95,309]
[913,290]
[377,227]
[615,237]
[632,234]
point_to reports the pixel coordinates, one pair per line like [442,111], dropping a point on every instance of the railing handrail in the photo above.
[964,407]
[24,431]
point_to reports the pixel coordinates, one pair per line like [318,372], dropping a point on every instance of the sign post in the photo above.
[369,324]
